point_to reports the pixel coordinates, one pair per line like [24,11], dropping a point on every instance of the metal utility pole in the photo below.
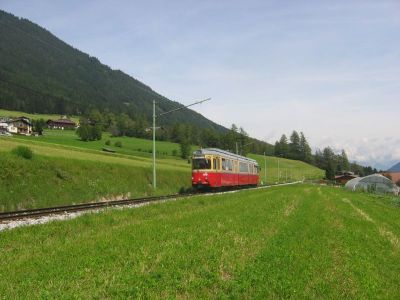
[154,146]
[154,133]
[237,149]
[265,168]
[279,171]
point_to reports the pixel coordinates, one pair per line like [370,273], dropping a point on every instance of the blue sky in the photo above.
[328,68]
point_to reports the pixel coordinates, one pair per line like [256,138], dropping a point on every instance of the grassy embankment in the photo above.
[66,170]
[299,241]
[61,175]
[290,170]
[130,145]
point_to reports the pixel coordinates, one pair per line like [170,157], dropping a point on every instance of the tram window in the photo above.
[201,163]
[230,165]
[224,166]
[242,167]
[215,163]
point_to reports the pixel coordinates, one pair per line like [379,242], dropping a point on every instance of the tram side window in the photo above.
[243,167]
[216,164]
[201,163]
[229,165]
[224,167]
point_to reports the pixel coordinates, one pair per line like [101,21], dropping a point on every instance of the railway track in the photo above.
[58,210]
[40,212]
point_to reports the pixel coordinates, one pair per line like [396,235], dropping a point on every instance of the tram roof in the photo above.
[215,151]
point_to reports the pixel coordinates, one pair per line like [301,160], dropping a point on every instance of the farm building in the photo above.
[21,125]
[61,124]
[394,173]
[345,177]
[375,183]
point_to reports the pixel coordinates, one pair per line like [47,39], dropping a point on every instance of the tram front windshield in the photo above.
[201,164]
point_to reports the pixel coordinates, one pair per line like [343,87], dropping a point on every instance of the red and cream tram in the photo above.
[218,168]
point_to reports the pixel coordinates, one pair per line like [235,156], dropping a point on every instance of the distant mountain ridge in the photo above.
[39,73]
[395,168]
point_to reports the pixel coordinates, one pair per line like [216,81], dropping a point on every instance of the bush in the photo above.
[108,142]
[118,144]
[23,151]
[88,132]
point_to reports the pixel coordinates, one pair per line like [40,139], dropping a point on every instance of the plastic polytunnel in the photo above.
[375,183]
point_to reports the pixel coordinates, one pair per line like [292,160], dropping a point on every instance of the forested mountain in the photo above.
[39,73]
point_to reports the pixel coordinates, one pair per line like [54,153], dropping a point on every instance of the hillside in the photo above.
[39,73]
[67,170]
[294,242]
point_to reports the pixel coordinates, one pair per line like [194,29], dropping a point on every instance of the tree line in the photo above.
[236,139]
[297,147]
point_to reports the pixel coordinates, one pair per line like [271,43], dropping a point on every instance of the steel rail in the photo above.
[39,212]
[55,210]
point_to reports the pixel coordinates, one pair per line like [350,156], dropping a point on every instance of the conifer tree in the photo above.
[282,147]
[345,161]
[294,146]
[305,149]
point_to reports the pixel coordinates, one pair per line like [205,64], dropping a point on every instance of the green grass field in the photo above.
[288,171]
[299,241]
[66,170]
[130,145]
[13,114]
[50,181]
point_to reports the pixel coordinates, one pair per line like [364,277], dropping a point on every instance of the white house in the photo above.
[11,128]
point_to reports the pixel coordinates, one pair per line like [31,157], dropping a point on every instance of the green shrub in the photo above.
[108,142]
[118,144]
[23,151]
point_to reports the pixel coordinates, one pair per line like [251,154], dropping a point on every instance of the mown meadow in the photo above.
[299,241]
[130,145]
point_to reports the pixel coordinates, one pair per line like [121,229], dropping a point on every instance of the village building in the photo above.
[61,124]
[345,177]
[21,125]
